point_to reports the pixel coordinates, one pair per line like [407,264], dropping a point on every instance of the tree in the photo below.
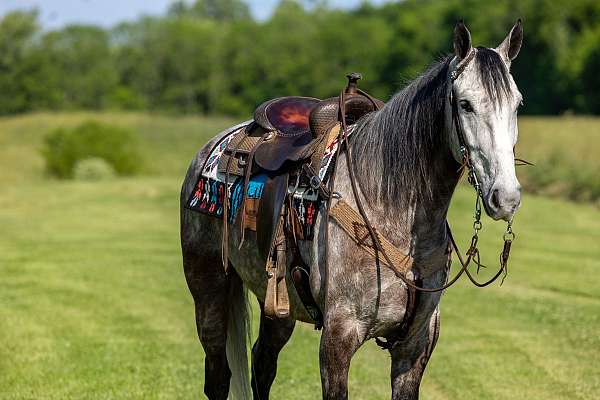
[84,58]
[220,10]
[17,30]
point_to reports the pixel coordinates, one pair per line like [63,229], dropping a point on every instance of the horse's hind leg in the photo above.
[273,335]
[210,287]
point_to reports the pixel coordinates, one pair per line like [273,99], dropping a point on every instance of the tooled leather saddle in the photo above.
[285,143]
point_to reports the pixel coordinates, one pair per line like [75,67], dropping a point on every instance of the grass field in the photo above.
[93,303]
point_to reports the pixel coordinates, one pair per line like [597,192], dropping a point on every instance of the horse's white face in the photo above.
[488,99]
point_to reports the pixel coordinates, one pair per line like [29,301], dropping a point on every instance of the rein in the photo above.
[472,254]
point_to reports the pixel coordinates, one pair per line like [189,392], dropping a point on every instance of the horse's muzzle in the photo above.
[502,203]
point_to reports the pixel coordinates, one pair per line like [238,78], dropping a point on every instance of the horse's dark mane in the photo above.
[395,148]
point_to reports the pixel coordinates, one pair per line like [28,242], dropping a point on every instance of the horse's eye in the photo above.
[466,106]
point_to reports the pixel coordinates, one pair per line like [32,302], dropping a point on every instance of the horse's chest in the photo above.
[378,297]
[390,308]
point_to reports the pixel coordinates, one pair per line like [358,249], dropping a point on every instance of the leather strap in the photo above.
[353,224]
[375,238]
[463,64]
[277,303]
[247,174]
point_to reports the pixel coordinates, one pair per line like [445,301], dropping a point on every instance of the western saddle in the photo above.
[286,142]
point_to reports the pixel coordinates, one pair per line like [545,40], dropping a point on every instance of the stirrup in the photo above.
[277,302]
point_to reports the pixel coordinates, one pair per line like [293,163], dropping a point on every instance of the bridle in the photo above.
[472,254]
[509,235]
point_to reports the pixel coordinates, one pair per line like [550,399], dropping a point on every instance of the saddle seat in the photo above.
[298,123]
[288,115]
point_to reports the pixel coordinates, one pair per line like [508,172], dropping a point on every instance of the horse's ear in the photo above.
[462,40]
[510,47]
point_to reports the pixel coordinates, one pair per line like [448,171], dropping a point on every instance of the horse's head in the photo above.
[486,102]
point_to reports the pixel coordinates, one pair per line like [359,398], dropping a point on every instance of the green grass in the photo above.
[93,303]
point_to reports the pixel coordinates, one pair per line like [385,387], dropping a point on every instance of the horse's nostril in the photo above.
[495,199]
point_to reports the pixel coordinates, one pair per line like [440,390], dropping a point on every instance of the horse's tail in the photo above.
[238,338]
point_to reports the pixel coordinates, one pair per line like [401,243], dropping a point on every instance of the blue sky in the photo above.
[56,13]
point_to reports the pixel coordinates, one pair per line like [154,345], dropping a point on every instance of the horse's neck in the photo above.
[428,229]
[417,217]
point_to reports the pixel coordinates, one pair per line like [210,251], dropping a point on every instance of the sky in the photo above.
[57,13]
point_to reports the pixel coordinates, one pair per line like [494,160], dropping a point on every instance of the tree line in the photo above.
[211,56]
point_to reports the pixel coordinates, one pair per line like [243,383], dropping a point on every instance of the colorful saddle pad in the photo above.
[209,193]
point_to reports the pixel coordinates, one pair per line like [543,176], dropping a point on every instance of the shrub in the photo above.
[124,98]
[118,147]
[93,169]
[558,176]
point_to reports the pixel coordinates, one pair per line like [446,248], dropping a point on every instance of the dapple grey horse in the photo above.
[406,158]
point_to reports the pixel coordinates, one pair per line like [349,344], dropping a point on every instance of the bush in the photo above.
[123,98]
[117,147]
[558,176]
[93,169]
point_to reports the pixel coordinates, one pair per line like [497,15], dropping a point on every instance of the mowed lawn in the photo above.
[93,302]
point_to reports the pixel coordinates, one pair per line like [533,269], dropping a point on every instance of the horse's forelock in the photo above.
[493,74]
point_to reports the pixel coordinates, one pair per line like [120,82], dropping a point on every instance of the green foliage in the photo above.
[222,10]
[124,98]
[93,169]
[64,148]
[557,175]
[17,70]
[83,57]
[210,56]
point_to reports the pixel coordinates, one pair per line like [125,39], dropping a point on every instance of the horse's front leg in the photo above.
[410,358]
[340,339]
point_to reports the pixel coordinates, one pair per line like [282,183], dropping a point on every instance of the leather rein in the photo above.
[472,254]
